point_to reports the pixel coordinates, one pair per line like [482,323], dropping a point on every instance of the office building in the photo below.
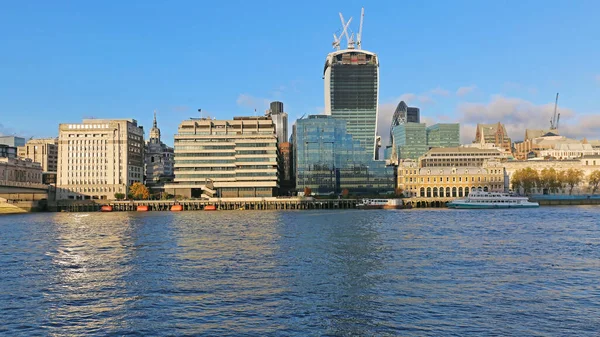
[327,159]
[8,151]
[43,151]
[449,181]
[409,140]
[98,158]
[352,91]
[226,158]
[413,115]
[287,175]
[443,135]
[493,134]
[158,159]
[17,170]
[280,119]
[12,141]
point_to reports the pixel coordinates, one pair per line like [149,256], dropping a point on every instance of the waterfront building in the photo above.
[352,91]
[43,151]
[98,158]
[8,151]
[229,158]
[280,119]
[449,181]
[458,157]
[12,141]
[551,145]
[443,135]
[287,175]
[158,159]
[19,170]
[409,140]
[495,134]
[327,159]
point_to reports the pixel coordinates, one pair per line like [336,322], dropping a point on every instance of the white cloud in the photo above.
[463,91]
[249,101]
[440,92]
[518,114]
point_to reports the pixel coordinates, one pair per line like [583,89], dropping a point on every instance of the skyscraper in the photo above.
[280,119]
[352,88]
[276,107]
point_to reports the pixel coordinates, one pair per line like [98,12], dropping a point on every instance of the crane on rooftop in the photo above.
[556,117]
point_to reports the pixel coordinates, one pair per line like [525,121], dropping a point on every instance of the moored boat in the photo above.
[106,208]
[479,199]
[176,208]
[382,204]
[210,208]
[142,208]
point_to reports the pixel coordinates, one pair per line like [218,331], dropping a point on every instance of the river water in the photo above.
[414,272]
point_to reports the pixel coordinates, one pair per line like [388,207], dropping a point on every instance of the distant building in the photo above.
[280,119]
[449,181]
[159,158]
[12,141]
[43,151]
[495,134]
[443,135]
[98,158]
[18,170]
[458,157]
[327,159]
[229,158]
[409,140]
[413,115]
[8,151]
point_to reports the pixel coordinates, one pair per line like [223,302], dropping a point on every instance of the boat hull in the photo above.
[490,206]
[384,206]
[176,208]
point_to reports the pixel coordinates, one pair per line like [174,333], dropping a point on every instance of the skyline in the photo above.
[463,62]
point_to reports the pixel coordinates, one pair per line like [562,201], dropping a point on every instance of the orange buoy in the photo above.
[210,208]
[142,208]
[106,208]
[176,208]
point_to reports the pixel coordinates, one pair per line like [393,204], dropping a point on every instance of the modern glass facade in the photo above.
[410,140]
[351,93]
[328,159]
[443,135]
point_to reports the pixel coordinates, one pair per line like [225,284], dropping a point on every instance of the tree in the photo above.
[345,193]
[307,191]
[594,181]
[548,179]
[119,196]
[138,191]
[526,178]
[573,177]
[165,196]
[399,192]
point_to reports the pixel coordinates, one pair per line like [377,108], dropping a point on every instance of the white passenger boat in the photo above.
[382,204]
[481,199]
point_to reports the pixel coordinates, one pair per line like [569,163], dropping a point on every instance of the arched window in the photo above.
[441,192]
[485,189]
[454,192]
[435,192]
[422,192]
[466,191]
[460,192]
[448,192]
[428,192]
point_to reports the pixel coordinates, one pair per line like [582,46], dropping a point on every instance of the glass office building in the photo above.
[410,140]
[443,135]
[352,91]
[328,159]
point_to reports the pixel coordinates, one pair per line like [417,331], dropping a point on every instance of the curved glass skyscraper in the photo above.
[352,91]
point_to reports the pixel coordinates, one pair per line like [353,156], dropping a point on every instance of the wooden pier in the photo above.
[198,205]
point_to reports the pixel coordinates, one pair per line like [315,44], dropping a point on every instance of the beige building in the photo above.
[238,157]
[16,170]
[458,156]
[43,151]
[449,181]
[98,158]
[493,134]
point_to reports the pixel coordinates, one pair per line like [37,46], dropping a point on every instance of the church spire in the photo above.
[155,131]
[154,123]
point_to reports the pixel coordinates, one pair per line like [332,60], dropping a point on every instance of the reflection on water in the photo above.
[336,273]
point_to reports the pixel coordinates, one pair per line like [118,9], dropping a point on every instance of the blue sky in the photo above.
[63,61]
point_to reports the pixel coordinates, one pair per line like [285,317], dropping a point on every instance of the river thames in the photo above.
[420,272]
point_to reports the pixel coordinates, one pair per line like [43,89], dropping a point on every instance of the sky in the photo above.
[459,61]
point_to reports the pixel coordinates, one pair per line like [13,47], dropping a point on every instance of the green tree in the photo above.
[119,196]
[594,181]
[526,178]
[138,191]
[572,178]
[549,180]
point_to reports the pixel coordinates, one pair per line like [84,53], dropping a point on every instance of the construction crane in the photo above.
[359,36]
[349,38]
[336,39]
[556,117]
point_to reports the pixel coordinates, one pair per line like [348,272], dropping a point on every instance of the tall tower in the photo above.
[352,87]
[155,131]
